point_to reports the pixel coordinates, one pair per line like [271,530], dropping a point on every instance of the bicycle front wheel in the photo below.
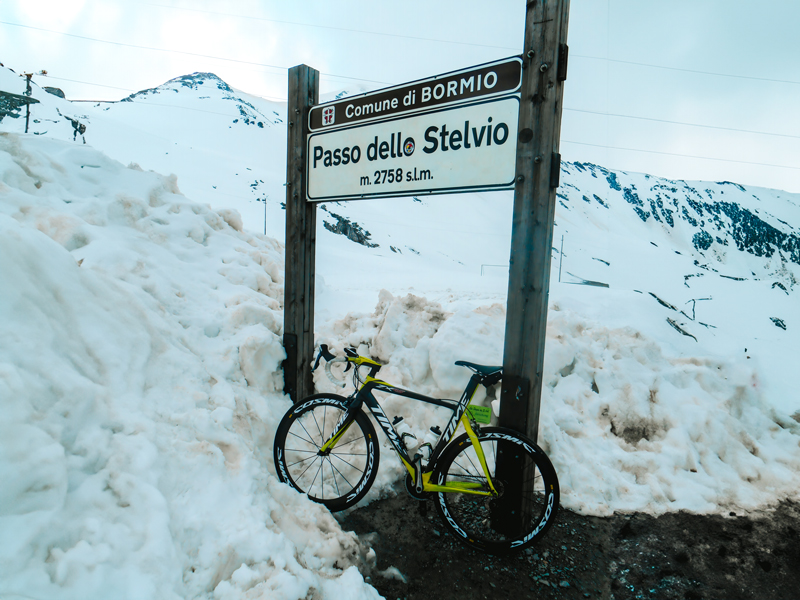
[526,484]
[338,478]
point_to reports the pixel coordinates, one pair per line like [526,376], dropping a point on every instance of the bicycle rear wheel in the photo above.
[524,478]
[338,478]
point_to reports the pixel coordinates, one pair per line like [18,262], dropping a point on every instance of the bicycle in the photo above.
[494,488]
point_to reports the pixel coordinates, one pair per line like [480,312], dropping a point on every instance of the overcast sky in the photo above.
[689,89]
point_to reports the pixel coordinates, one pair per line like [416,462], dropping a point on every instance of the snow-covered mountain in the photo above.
[141,318]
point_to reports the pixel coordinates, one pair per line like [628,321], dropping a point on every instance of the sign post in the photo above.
[301,238]
[538,167]
[490,127]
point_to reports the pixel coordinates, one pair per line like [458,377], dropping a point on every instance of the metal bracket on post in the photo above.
[555,170]
[290,366]
[563,56]
[514,401]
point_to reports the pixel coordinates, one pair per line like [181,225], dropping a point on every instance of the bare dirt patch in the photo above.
[674,556]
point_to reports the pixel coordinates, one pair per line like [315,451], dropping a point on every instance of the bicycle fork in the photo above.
[340,429]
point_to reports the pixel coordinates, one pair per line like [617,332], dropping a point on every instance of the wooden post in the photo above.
[28,92]
[538,167]
[301,235]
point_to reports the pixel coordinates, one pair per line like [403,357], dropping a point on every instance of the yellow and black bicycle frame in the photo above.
[364,396]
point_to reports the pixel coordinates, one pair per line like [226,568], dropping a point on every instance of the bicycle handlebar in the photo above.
[331,375]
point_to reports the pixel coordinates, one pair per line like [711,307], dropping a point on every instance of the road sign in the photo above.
[465,147]
[481,82]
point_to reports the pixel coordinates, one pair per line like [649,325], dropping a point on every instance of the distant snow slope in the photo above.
[140,391]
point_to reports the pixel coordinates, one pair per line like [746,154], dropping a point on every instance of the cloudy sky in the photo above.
[690,89]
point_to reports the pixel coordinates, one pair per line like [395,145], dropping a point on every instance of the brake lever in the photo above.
[323,353]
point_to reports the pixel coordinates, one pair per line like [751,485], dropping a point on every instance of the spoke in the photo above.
[333,475]
[308,434]
[304,471]
[349,453]
[296,450]
[350,442]
[301,461]
[465,470]
[309,441]
[532,479]
[342,476]
[314,416]
[311,487]
[477,468]
[348,463]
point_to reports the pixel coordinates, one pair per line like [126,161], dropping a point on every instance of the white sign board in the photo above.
[468,147]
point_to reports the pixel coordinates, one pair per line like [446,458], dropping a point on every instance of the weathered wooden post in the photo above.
[301,223]
[538,169]
[537,177]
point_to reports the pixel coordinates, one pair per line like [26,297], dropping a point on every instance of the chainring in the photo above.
[412,490]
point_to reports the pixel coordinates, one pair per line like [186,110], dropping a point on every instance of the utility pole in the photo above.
[301,224]
[538,169]
[28,92]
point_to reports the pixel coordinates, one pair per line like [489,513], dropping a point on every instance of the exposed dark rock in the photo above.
[350,229]
[55,91]
[679,329]
[780,285]
[778,322]
[663,303]
[702,240]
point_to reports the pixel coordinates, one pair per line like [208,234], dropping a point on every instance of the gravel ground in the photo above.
[675,556]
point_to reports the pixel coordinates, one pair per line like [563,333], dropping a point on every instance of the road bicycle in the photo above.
[494,488]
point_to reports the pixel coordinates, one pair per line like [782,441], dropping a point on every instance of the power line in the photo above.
[591,112]
[743,162]
[651,66]
[88,83]
[594,112]
[270,99]
[383,34]
[515,49]
[245,62]
[609,60]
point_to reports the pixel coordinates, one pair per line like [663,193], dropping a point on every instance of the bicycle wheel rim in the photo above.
[527,487]
[339,478]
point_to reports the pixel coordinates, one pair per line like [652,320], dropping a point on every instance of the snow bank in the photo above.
[627,425]
[140,390]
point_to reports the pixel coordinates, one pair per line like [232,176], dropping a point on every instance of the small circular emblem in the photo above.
[408,147]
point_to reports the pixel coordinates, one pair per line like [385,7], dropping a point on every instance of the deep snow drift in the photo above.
[627,423]
[139,389]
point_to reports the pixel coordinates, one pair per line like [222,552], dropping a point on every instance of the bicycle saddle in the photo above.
[482,370]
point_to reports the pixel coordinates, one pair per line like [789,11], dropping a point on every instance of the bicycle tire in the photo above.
[342,477]
[495,525]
